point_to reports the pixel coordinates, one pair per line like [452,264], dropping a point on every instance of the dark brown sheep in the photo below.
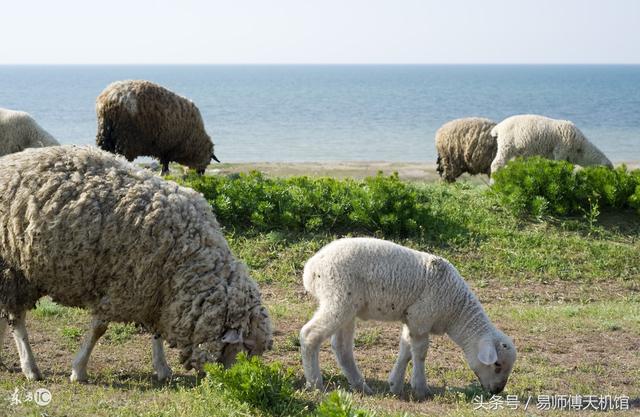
[140,118]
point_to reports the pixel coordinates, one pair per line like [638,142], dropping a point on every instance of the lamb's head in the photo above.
[582,152]
[492,359]
[585,154]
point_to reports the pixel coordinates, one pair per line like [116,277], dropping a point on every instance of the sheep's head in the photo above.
[585,154]
[257,340]
[492,359]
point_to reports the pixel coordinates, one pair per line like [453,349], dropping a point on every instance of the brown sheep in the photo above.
[465,145]
[140,118]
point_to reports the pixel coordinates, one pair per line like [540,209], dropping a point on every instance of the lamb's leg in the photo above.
[160,365]
[79,365]
[396,377]
[498,162]
[323,324]
[27,361]
[419,346]
[342,344]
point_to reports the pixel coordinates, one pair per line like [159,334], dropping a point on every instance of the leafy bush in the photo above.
[541,186]
[267,387]
[340,404]
[384,205]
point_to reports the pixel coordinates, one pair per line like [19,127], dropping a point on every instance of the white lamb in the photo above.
[19,131]
[530,134]
[375,279]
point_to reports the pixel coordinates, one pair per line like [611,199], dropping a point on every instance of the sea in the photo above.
[321,113]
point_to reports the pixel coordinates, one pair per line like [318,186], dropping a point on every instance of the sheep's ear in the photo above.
[487,352]
[232,336]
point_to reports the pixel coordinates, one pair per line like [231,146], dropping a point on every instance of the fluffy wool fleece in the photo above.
[465,145]
[530,134]
[380,280]
[19,131]
[91,230]
[140,118]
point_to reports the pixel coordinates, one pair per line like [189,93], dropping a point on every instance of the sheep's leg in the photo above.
[3,332]
[165,166]
[342,344]
[396,377]
[79,365]
[27,361]
[323,324]
[160,365]
[419,346]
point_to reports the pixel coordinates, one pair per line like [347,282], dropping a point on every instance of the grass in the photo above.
[566,289]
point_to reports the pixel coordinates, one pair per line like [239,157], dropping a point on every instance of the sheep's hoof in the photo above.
[365,389]
[312,386]
[421,394]
[78,376]
[164,375]
[32,374]
[395,387]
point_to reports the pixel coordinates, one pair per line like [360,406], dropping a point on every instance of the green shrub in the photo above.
[375,205]
[540,186]
[340,404]
[267,387]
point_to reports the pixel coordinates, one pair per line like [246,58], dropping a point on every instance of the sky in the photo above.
[319,31]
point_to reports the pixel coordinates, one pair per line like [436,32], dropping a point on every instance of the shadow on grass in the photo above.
[381,388]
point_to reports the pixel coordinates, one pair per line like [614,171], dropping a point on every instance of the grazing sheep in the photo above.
[93,231]
[19,131]
[140,118]
[465,145]
[375,279]
[530,134]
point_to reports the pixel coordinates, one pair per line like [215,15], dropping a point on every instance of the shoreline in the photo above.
[410,171]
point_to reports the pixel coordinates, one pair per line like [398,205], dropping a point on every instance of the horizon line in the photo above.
[329,64]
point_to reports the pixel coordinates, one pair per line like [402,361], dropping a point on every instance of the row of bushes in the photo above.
[540,186]
[388,207]
[376,205]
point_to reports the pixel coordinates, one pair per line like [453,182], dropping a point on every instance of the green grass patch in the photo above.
[266,387]
[45,308]
[120,332]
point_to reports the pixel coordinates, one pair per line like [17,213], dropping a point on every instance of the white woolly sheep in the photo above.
[465,145]
[93,231]
[19,131]
[530,134]
[140,118]
[375,279]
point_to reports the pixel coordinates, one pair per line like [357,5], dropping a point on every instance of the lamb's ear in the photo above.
[487,352]
[232,336]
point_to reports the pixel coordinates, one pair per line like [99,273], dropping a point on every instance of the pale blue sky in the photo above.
[323,31]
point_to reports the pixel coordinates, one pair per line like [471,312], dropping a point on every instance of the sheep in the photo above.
[18,131]
[140,118]
[91,230]
[465,145]
[375,279]
[530,134]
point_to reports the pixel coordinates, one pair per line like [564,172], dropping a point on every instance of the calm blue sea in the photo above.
[343,112]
